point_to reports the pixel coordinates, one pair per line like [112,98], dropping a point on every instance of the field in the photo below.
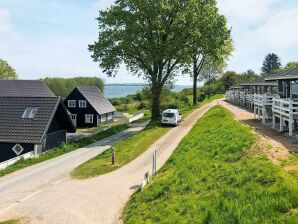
[128,149]
[216,175]
[64,148]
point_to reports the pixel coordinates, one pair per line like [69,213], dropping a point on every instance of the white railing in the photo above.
[285,107]
[135,117]
[263,100]
[15,159]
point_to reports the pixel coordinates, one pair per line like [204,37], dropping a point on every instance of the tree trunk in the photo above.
[155,109]
[194,90]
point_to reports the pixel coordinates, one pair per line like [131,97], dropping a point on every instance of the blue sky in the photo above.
[42,38]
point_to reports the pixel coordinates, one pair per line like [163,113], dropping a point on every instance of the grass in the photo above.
[62,149]
[216,176]
[12,221]
[188,110]
[128,149]
[292,161]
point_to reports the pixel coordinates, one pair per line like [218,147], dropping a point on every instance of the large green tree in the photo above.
[271,63]
[214,41]
[152,38]
[6,71]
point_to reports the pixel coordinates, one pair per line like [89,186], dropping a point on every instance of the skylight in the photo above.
[30,112]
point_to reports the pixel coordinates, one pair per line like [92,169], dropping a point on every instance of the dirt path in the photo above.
[275,145]
[101,199]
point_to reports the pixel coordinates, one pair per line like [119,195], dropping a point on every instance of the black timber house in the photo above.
[32,118]
[89,107]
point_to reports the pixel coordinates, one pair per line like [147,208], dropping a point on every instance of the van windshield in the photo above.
[168,115]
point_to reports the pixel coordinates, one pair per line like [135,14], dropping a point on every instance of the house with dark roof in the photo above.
[89,107]
[32,119]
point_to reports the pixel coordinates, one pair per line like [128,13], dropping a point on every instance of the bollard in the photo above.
[154,164]
[145,180]
[113,156]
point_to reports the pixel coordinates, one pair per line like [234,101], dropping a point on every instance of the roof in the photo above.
[236,87]
[97,100]
[15,129]
[258,82]
[24,88]
[290,74]
[171,111]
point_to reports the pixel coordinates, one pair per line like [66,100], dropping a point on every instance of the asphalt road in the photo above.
[45,193]
[24,184]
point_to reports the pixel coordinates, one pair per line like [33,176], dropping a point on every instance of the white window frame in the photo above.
[71,103]
[89,118]
[110,116]
[82,104]
[17,152]
[30,112]
[101,117]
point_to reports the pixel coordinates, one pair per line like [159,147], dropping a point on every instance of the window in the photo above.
[168,115]
[88,118]
[30,112]
[295,87]
[110,115]
[103,117]
[82,103]
[18,149]
[71,103]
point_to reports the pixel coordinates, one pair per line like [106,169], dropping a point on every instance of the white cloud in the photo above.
[5,22]
[260,27]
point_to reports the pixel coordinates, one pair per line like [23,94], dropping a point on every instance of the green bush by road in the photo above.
[217,176]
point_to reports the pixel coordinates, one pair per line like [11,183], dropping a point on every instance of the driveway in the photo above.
[24,184]
[55,198]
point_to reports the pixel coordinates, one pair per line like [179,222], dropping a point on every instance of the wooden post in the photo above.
[281,125]
[264,115]
[273,120]
[291,119]
[113,156]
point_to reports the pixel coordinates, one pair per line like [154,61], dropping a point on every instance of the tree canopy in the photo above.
[152,38]
[63,86]
[289,66]
[6,71]
[271,63]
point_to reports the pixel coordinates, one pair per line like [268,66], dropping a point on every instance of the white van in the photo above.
[171,117]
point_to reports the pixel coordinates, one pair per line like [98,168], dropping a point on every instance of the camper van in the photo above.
[171,117]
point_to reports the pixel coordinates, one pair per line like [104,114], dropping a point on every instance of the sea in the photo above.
[122,90]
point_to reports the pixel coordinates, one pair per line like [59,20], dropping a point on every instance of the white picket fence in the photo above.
[15,159]
[135,117]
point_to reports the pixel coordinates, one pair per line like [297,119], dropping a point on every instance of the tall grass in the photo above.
[216,176]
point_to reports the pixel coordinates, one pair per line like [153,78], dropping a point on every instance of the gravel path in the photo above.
[96,200]
[274,144]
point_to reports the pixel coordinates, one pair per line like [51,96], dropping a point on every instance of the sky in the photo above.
[41,38]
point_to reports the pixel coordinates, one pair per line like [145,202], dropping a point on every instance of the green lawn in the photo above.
[128,149]
[64,148]
[216,176]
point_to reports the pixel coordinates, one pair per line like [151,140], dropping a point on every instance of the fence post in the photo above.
[113,155]
[154,163]
[145,180]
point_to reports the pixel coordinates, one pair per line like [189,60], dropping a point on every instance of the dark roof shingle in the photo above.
[24,88]
[290,74]
[14,128]
[97,100]
[258,82]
